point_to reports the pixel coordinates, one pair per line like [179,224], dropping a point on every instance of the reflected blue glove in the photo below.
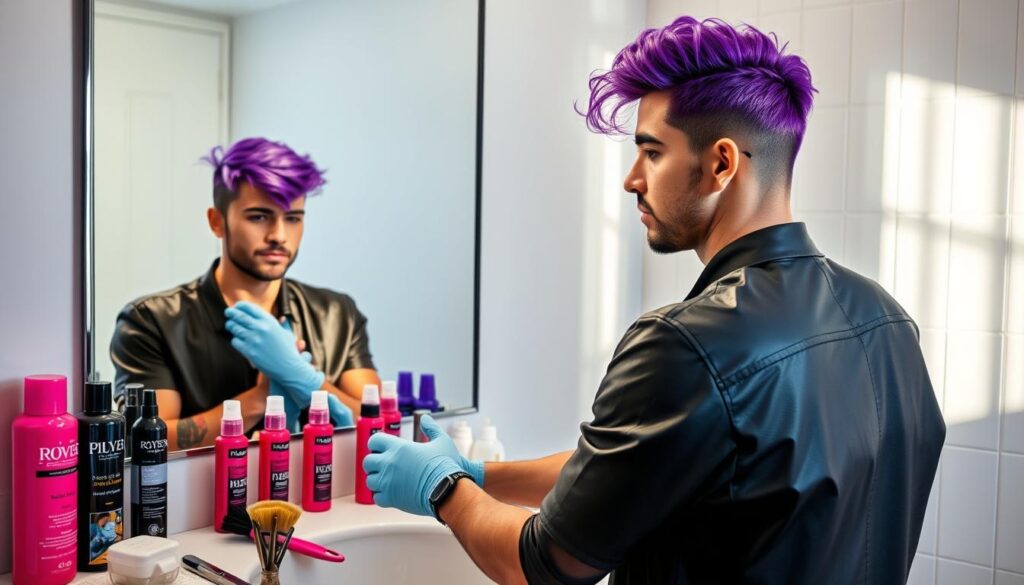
[270,346]
[436,434]
[291,408]
[341,415]
[403,474]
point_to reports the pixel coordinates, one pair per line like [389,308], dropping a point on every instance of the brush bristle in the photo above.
[263,513]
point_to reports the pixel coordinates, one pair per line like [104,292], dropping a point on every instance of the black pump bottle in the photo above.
[149,470]
[101,442]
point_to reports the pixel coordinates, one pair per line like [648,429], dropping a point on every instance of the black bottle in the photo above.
[100,477]
[149,470]
[132,395]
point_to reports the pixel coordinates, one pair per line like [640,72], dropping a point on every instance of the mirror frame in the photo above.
[86,160]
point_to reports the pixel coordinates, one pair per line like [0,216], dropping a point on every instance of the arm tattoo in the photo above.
[191,432]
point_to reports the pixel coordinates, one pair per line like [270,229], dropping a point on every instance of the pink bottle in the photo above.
[275,442]
[231,465]
[369,423]
[44,500]
[389,409]
[317,456]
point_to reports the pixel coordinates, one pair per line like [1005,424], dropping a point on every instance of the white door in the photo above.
[161,104]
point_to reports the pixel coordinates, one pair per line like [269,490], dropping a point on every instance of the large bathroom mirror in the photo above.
[383,96]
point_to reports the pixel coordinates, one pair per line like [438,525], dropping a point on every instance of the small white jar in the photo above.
[143,560]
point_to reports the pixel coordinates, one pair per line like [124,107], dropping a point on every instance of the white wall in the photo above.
[38,270]
[560,278]
[912,173]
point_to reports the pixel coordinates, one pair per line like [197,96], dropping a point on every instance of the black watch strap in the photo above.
[443,490]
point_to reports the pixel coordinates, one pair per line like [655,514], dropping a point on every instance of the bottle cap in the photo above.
[489,433]
[97,398]
[148,405]
[232,410]
[405,384]
[371,402]
[388,389]
[132,394]
[231,419]
[428,390]
[319,400]
[275,404]
[46,394]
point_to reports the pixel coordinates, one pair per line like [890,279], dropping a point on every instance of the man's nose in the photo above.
[277,232]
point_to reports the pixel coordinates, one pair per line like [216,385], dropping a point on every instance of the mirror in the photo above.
[384,98]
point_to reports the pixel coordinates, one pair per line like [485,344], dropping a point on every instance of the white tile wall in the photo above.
[967,504]
[956,573]
[987,46]
[1010,524]
[912,172]
[1013,397]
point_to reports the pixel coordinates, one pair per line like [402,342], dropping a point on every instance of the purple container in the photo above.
[427,399]
[406,402]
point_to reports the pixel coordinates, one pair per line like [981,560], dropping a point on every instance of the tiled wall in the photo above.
[912,172]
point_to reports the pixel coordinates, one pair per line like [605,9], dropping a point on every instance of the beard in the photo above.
[250,266]
[684,224]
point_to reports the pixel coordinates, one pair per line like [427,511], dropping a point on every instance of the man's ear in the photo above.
[216,220]
[726,155]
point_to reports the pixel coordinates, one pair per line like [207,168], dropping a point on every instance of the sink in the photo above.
[391,553]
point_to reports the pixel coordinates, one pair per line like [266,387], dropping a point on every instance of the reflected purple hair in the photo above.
[730,77]
[267,165]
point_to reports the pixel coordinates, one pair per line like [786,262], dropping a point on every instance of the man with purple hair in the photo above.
[775,426]
[243,331]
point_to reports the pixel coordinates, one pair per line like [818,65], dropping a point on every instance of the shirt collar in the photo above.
[213,300]
[787,240]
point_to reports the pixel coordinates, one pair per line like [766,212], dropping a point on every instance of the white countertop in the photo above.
[237,555]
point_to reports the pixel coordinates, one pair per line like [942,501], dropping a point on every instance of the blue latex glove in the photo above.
[403,474]
[270,346]
[341,415]
[435,433]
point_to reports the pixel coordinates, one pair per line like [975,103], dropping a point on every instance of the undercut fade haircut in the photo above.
[724,82]
[270,166]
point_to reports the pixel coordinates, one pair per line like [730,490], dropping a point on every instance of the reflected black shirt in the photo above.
[777,426]
[176,340]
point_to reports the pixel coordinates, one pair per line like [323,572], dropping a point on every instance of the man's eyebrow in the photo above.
[260,210]
[296,212]
[647,139]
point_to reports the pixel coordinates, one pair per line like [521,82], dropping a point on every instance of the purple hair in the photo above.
[267,165]
[712,70]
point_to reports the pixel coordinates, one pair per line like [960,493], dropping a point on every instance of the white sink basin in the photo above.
[389,554]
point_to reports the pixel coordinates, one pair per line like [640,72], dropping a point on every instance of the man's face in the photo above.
[260,239]
[666,178]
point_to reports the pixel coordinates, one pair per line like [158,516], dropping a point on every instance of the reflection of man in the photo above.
[279,336]
[776,426]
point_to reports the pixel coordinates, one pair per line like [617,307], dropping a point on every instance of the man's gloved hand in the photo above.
[436,434]
[270,346]
[341,415]
[403,474]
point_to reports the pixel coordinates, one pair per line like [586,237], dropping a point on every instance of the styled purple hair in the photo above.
[267,165]
[722,80]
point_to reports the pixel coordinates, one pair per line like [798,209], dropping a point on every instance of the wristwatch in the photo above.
[444,488]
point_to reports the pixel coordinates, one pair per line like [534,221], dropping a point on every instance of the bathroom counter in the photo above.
[237,555]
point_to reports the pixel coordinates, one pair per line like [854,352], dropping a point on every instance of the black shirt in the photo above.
[176,340]
[777,426]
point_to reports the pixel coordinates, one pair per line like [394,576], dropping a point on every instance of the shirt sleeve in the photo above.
[660,439]
[135,350]
[359,356]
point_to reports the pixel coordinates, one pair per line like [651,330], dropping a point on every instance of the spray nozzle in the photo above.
[319,400]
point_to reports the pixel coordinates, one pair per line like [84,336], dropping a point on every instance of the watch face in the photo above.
[442,486]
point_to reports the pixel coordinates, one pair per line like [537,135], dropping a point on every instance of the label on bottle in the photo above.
[279,470]
[103,500]
[57,478]
[322,469]
[395,427]
[237,477]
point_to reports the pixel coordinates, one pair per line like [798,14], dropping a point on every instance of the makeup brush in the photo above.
[237,522]
[271,519]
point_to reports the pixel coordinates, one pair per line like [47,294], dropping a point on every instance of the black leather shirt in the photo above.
[176,340]
[777,426]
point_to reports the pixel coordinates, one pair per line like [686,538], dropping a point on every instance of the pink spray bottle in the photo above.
[231,464]
[389,408]
[275,442]
[44,500]
[317,456]
[369,423]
